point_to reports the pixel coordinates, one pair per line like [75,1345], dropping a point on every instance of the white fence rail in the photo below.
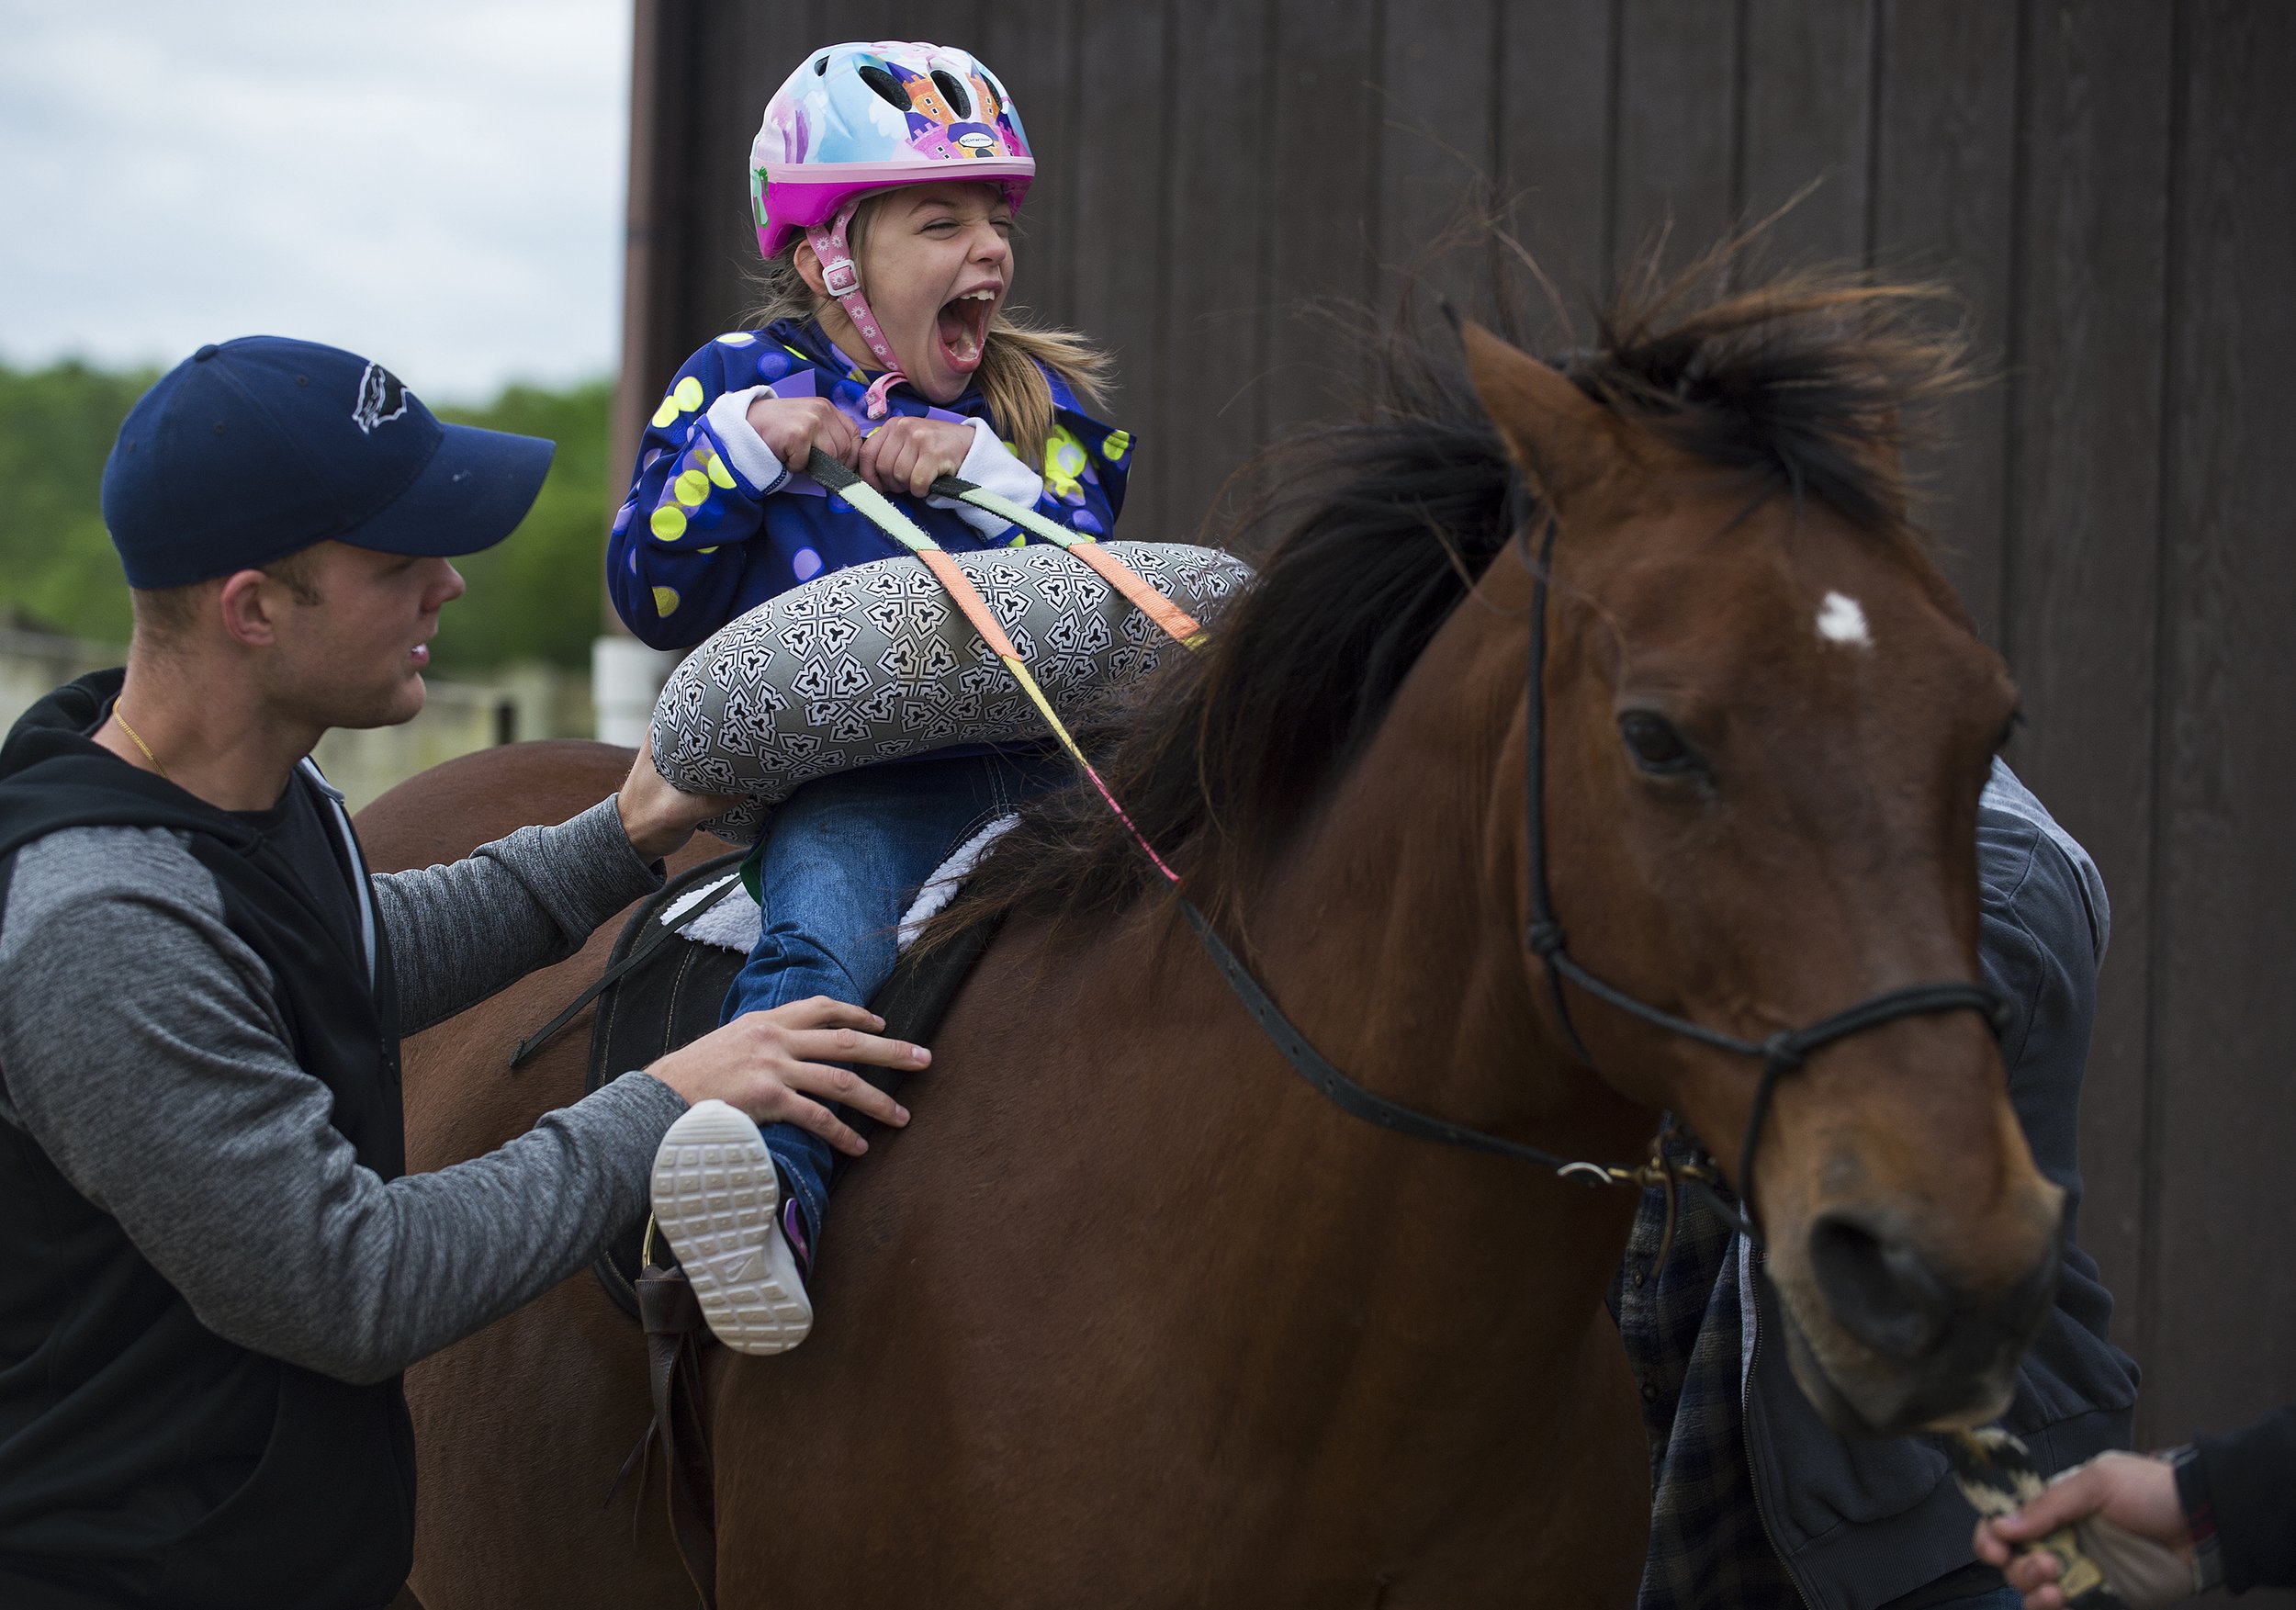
[524,702]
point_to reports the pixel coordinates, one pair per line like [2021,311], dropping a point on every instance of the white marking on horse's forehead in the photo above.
[1841,619]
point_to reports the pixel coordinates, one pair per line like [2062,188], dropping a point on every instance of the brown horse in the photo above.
[1131,1314]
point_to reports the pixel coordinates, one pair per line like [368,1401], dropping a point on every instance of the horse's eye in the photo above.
[1654,744]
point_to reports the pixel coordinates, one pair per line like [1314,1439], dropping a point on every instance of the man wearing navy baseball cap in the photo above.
[211,1270]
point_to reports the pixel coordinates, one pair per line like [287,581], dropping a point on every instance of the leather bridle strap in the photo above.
[644,949]
[1357,1102]
[1780,1055]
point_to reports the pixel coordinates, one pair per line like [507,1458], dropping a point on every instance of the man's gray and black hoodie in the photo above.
[212,1266]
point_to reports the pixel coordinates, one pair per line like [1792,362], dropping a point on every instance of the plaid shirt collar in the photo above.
[1686,1328]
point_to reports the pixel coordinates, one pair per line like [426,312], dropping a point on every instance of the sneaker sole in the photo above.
[719,1201]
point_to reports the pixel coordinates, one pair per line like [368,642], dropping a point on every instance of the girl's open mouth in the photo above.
[961,328]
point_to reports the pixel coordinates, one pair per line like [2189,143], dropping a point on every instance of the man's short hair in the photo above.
[165,614]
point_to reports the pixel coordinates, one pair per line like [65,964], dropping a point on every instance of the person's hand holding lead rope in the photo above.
[2130,1518]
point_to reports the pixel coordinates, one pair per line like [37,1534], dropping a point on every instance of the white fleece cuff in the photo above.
[990,465]
[752,460]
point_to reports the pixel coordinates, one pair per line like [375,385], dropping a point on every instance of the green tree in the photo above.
[536,596]
[57,566]
[539,595]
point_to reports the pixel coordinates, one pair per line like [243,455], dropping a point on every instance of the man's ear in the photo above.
[1564,442]
[249,602]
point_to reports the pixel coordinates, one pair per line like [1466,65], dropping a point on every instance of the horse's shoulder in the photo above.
[444,814]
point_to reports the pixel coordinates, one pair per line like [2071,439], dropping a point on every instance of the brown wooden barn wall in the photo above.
[2108,182]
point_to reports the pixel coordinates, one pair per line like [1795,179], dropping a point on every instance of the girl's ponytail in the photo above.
[1019,401]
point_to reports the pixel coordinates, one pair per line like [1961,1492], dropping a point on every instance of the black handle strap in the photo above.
[641,949]
[1357,1102]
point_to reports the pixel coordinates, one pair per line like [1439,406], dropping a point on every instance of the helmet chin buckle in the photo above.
[840,278]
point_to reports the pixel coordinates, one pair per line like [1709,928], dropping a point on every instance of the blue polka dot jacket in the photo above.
[714,526]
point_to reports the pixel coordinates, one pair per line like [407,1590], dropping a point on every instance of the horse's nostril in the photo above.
[1879,1287]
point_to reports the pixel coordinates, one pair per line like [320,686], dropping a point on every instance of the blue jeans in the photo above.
[840,862]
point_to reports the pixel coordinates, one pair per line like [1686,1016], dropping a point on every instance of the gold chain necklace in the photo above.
[136,738]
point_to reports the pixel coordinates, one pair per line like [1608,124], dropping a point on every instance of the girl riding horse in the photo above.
[884,180]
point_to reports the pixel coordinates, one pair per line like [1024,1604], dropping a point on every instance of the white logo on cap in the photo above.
[381,399]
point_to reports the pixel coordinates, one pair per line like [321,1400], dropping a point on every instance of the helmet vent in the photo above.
[952,91]
[888,88]
[821,63]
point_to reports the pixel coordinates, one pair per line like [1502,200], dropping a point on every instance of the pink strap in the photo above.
[840,276]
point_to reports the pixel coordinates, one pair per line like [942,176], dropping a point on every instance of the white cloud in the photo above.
[437,184]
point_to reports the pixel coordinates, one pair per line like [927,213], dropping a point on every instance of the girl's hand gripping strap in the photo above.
[889,519]
[1176,623]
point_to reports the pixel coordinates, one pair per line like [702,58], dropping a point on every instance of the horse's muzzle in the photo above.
[1890,1344]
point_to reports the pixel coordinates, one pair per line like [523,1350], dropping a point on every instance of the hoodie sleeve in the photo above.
[168,1094]
[2239,1493]
[1086,463]
[2038,949]
[674,561]
[462,931]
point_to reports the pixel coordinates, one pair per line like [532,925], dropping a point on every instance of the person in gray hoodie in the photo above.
[213,1266]
[1758,1503]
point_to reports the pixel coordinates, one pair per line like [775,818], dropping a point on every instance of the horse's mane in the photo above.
[1370,531]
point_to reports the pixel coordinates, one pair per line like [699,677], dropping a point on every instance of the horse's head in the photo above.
[1767,722]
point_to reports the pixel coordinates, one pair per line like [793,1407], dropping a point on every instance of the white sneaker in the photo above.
[718,1200]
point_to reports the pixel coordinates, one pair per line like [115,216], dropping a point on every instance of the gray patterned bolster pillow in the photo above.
[875,661]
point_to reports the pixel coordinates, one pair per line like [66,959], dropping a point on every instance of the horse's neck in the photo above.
[1393,936]
[1397,923]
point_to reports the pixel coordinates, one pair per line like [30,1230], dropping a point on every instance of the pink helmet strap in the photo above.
[840,276]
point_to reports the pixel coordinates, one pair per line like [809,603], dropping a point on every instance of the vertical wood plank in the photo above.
[1944,205]
[1031,46]
[1677,128]
[654,263]
[1555,71]
[1808,117]
[1122,136]
[885,19]
[1213,355]
[2077,609]
[1323,166]
[744,54]
[2223,1299]
[1436,151]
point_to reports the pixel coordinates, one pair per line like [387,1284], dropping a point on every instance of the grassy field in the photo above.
[535,597]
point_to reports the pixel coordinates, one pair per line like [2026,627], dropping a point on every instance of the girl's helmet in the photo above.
[858,117]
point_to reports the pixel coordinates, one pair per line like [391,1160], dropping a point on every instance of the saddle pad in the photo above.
[874,661]
[731,919]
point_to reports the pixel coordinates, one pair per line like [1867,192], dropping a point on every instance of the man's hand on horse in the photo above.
[907,455]
[658,817]
[772,1064]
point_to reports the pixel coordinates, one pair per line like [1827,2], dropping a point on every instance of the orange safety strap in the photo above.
[887,517]
[1176,623]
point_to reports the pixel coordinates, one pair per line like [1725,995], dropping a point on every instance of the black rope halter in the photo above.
[1780,1055]
[1783,1051]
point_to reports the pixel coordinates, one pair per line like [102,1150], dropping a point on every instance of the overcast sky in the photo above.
[436,184]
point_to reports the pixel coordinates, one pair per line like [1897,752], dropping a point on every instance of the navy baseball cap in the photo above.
[247,452]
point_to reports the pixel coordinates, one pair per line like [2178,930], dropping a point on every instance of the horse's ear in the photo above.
[1562,439]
